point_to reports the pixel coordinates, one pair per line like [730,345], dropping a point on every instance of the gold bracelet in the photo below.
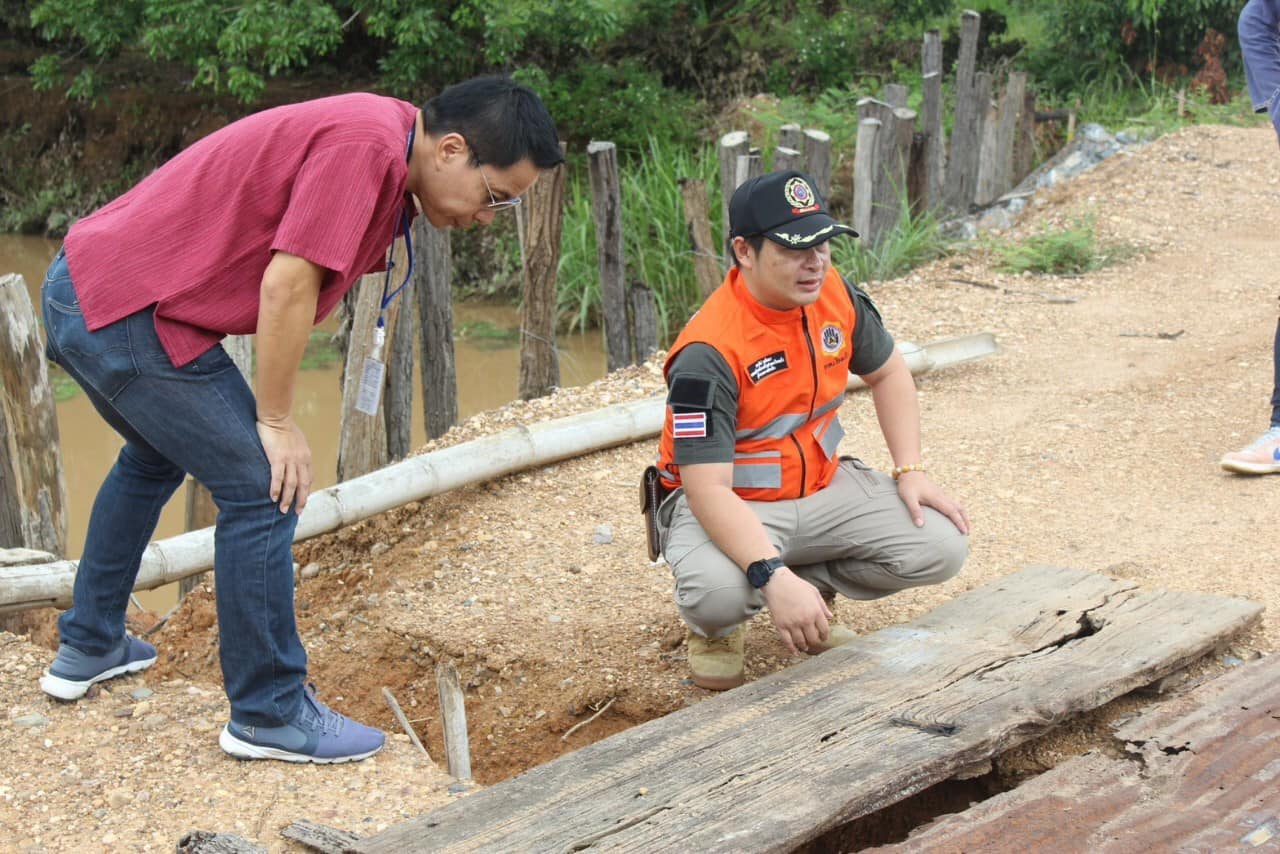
[899,471]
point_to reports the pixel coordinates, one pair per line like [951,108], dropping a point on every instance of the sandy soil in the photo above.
[1091,440]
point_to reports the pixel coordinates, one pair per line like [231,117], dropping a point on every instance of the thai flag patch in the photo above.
[688,425]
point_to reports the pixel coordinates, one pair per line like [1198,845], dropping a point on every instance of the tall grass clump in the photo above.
[1062,251]
[913,241]
[655,241]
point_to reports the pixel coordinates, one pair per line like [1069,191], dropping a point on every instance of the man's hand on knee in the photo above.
[799,614]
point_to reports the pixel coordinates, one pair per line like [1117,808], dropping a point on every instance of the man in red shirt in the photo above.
[258,228]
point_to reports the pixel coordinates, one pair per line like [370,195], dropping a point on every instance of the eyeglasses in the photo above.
[494,204]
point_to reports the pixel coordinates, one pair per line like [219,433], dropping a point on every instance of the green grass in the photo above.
[655,241]
[1064,251]
[913,241]
[64,388]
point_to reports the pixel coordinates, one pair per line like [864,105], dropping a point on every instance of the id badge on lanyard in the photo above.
[374,374]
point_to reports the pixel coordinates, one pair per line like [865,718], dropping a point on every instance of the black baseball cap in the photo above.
[784,207]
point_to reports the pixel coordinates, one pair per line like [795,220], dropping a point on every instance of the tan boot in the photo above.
[716,663]
[837,635]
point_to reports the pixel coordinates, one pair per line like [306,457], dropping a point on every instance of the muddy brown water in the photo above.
[487,368]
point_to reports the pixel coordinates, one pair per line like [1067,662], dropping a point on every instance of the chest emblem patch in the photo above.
[767,366]
[832,339]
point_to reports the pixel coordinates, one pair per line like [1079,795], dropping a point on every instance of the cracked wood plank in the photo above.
[1200,775]
[778,762]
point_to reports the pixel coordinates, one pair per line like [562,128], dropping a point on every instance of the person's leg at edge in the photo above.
[1262,455]
[126,509]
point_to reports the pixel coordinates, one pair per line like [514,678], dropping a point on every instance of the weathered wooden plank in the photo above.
[785,159]
[817,159]
[777,762]
[1200,777]
[896,94]
[644,322]
[966,125]
[935,155]
[539,361]
[319,837]
[434,261]
[750,165]
[453,720]
[733,145]
[33,497]
[791,136]
[362,439]
[1024,146]
[866,163]
[606,209]
[706,258]
[985,187]
[397,404]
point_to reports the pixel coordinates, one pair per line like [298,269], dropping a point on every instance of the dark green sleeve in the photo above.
[872,343]
[700,381]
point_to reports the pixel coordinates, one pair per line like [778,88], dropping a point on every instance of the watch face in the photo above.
[759,573]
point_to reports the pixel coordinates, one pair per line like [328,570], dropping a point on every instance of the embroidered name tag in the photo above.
[771,364]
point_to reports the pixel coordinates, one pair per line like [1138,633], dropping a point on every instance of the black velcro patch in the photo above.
[766,366]
[691,391]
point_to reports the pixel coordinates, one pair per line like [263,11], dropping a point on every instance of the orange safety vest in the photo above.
[792,368]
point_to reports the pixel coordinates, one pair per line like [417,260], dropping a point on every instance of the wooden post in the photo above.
[434,278]
[732,146]
[1024,146]
[362,439]
[750,165]
[931,117]
[917,178]
[453,717]
[539,362]
[706,261]
[791,136]
[397,403]
[33,495]
[966,129]
[1008,125]
[786,159]
[817,155]
[606,210]
[895,94]
[644,318]
[967,62]
[866,163]
[984,190]
[200,510]
[891,184]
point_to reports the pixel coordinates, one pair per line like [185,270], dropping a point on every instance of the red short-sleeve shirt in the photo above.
[323,180]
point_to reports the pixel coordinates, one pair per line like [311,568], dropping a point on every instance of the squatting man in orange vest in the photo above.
[760,509]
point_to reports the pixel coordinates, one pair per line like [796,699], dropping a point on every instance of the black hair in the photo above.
[502,121]
[755,241]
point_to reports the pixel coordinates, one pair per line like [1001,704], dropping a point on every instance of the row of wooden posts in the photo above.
[899,163]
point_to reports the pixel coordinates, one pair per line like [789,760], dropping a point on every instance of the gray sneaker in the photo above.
[316,734]
[72,672]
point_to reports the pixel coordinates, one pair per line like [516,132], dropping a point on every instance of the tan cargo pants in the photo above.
[854,538]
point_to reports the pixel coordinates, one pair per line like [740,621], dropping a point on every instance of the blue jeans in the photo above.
[202,419]
[1275,389]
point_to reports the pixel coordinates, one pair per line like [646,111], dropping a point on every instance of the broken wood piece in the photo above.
[403,721]
[1200,777]
[208,842]
[849,732]
[453,715]
[581,724]
[1163,336]
[1047,297]
[318,837]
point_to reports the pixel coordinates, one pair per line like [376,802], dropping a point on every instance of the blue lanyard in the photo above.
[408,243]
[386,281]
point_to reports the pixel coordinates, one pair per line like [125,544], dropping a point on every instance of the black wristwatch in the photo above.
[759,572]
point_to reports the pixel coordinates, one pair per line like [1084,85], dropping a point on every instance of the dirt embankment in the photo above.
[1090,441]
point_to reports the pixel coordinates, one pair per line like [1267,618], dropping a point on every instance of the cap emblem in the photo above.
[799,195]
